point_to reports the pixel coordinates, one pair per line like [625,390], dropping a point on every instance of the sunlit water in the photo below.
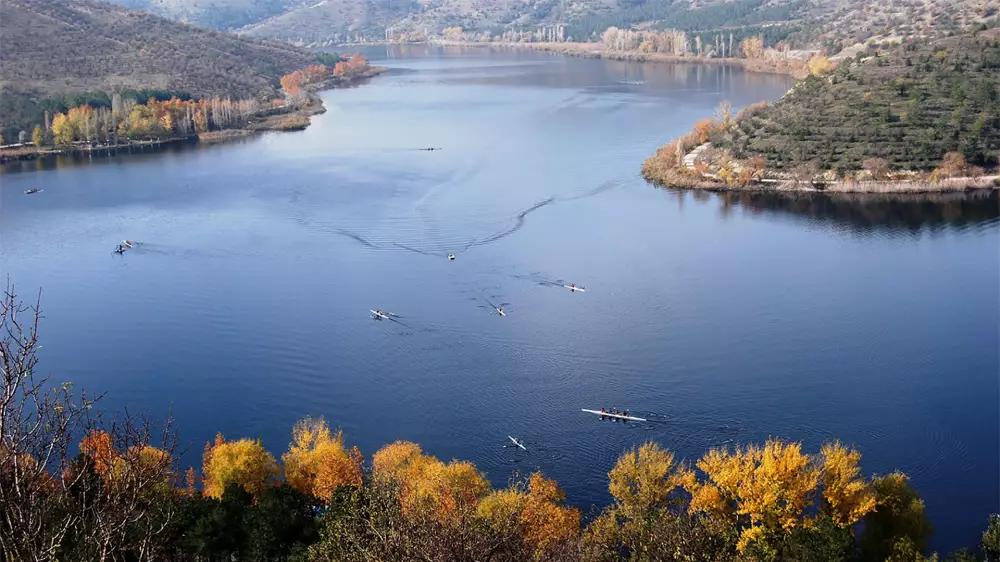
[722,319]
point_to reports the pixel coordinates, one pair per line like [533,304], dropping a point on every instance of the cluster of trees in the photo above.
[703,18]
[342,69]
[154,119]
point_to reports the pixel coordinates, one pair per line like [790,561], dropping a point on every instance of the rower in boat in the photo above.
[32,190]
[516,442]
[120,249]
[614,414]
[573,288]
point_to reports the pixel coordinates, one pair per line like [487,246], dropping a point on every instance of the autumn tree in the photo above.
[37,136]
[770,485]
[292,83]
[847,497]
[877,167]
[752,47]
[704,129]
[244,462]
[547,526]
[819,65]
[62,129]
[953,164]
[317,462]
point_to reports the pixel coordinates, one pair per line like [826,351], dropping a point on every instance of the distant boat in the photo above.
[451,257]
[574,289]
[610,415]
[516,442]
[32,190]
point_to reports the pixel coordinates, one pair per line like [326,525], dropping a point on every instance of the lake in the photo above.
[722,318]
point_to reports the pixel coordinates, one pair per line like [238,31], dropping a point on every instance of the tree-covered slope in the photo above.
[908,105]
[55,48]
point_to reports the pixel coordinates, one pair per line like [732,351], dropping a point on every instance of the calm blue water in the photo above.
[724,319]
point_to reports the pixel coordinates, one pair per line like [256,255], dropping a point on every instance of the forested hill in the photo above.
[54,48]
[907,105]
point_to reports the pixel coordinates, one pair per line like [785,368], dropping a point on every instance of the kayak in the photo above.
[516,442]
[610,415]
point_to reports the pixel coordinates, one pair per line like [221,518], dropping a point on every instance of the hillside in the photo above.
[59,48]
[331,21]
[908,105]
[832,25]
[215,14]
[921,115]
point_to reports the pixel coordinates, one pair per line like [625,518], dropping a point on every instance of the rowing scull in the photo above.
[610,415]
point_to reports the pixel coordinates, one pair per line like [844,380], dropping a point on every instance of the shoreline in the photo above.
[288,118]
[884,187]
[794,67]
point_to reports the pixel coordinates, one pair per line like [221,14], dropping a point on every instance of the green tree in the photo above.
[991,539]
[899,516]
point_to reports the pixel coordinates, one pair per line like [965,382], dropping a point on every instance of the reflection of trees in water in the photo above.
[874,211]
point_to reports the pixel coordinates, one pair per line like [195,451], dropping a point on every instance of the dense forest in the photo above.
[56,50]
[74,487]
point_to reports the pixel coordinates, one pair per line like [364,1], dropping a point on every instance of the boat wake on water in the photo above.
[519,221]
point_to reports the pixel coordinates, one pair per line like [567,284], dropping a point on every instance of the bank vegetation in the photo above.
[109,122]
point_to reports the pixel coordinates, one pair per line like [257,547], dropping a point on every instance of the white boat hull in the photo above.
[616,416]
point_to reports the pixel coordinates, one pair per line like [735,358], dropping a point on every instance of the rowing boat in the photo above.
[516,442]
[610,415]
[574,288]
[380,315]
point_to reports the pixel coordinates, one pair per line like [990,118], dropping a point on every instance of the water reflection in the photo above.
[868,212]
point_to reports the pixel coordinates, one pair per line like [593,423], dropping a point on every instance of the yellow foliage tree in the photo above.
[244,462]
[847,496]
[62,129]
[144,464]
[642,480]
[819,65]
[428,486]
[539,513]
[752,47]
[37,136]
[772,485]
[317,462]
[393,460]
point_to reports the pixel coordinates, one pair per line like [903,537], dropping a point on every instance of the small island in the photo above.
[916,116]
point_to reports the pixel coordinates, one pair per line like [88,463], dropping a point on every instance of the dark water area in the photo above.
[723,318]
